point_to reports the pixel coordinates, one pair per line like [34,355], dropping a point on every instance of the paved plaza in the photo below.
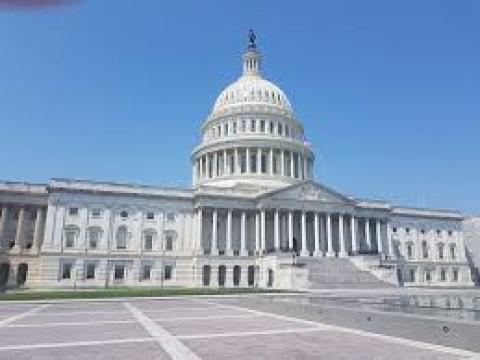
[236,327]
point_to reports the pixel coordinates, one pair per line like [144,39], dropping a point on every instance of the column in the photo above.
[225,163]
[257,232]
[317,251]
[194,172]
[353,234]
[391,250]
[271,162]
[199,247]
[236,168]
[379,236]
[330,252]
[341,235]
[282,162]
[215,165]
[19,233]
[305,168]
[276,238]
[262,230]
[290,230]
[247,160]
[3,223]
[37,229]
[214,233]
[367,234]
[291,165]
[207,166]
[229,250]
[304,251]
[299,167]
[243,244]
[259,161]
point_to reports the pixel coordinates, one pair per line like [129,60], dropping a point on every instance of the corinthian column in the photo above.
[304,251]
[330,252]
[19,233]
[214,233]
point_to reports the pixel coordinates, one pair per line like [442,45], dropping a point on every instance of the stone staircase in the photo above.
[325,273]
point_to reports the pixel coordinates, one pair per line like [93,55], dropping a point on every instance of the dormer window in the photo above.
[150,215]
[73,211]
[124,214]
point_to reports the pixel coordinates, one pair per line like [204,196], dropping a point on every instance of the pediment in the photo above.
[308,191]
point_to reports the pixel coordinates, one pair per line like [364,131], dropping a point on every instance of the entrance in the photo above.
[22,274]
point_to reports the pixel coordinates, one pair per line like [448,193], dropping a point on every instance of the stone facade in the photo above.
[253,215]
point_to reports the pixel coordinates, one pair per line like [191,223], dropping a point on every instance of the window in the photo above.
[439,232]
[121,237]
[67,271]
[452,251]
[70,235]
[424,249]
[440,251]
[170,217]
[150,215]
[422,231]
[450,232]
[412,275]
[287,132]
[119,272]
[280,129]
[90,271]
[148,245]
[443,276]
[234,127]
[394,229]
[169,239]
[428,275]
[124,214]
[410,251]
[262,126]
[455,274]
[96,214]
[244,126]
[146,272]
[94,235]
[73,211]
[167,273]
[271,127]
[407,230]
[252,125]
[225,129]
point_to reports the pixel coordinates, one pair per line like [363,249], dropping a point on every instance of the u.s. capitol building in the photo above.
[254,217]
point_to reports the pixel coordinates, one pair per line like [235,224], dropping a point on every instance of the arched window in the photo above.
[149,237]
[94,234]
[251,275]
[121,237]
[70,235]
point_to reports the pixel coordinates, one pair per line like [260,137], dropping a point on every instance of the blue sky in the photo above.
[389,92]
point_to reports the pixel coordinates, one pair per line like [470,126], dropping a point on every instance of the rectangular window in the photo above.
[225,129]
[262,126]
[244,126]
[70,239]
[169,242]
[412,275]
[271,127]
[73,211]
[67,271]
[287,133]
[170,217]
[167,274]
[148,242]
[93,236]
[443,276]
[150,215]
[455,275]
[146,272]
[96,214]
[280,129]
[90,271]
[119,273]
[234,127]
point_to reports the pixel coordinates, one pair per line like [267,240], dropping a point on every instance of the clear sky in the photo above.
[388,91]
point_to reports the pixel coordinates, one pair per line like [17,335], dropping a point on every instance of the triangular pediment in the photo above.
[308,191]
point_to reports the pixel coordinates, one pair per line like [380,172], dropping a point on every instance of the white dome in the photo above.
[252,90]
